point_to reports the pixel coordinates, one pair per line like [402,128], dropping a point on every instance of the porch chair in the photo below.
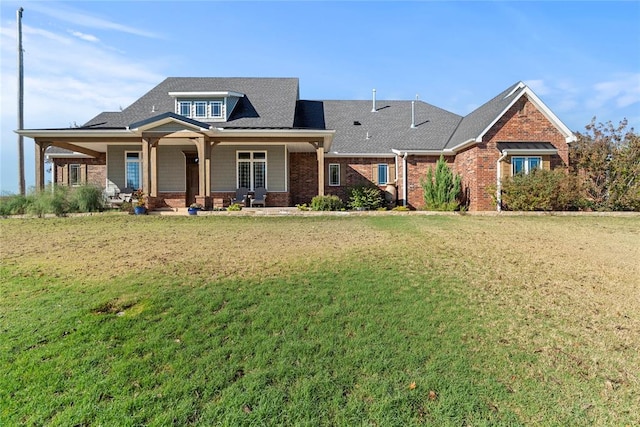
[259,197]
[241,196]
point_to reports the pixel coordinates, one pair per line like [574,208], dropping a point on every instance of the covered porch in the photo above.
[177,161]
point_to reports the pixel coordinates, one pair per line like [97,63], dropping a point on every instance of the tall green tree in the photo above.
[442,190]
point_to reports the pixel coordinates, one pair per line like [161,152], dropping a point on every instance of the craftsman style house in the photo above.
[199,139]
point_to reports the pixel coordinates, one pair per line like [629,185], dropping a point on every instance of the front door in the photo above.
[192,178]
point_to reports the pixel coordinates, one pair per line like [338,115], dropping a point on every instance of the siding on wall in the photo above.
[172,167]
[223,166]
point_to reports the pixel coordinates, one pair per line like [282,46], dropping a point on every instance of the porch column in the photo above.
[154,168]
[41,147]
[320,154]
[146,176]
[203,144]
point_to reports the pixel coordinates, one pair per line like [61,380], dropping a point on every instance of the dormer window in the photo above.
[216,109]
[212,106]
[200,108]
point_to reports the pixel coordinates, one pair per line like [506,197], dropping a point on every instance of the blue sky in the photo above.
[581,58]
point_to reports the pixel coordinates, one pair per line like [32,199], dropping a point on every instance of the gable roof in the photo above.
[268,102]
[477,123]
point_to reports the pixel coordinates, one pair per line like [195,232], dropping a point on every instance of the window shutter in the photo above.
[374,173]
[83,174]
[343,174]
[392,174]
[65,174]
[327,173]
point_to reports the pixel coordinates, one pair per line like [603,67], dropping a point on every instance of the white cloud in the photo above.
[86,37]
[538,86]
[66,80]
[76,17]
[622,90]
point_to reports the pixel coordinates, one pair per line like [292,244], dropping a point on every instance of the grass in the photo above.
[386,320]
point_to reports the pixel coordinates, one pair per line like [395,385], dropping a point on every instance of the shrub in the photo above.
[542,190]
[235,207]
[87,198]
[365,197]
[442,191]
[401,209]
[15,204]
[326,203]
[302,207]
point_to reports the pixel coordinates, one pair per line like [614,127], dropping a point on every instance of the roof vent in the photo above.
[356,123]
[153,108]
[368,136]
[413,114]
[373,109]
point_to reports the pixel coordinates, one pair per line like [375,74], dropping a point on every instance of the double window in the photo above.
[252,169]
[525,165]
[133,169]
[201,109]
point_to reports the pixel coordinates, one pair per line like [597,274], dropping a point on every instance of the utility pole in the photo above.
[20,107]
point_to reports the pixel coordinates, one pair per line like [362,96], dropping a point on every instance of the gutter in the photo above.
[405,180]
[499,181]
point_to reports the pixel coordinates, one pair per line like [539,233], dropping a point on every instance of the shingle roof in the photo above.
[273,103]
[388,128]
[268,102]
[475,122]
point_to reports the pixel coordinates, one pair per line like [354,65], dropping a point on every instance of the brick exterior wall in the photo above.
[477,165]
[303,175]
[417,167]
[95,169]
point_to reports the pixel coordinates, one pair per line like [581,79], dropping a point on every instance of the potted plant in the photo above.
[194,208]
[139,203]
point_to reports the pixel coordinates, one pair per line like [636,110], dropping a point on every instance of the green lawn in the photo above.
[381,320]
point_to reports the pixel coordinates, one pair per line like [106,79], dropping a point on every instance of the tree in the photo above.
[607,159]
[442,191]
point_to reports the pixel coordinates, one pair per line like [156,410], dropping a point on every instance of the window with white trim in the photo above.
[75,177]
[334,174]
[383,173]
[184,108]
[216,109]
[252,169]
[524,165]
[201,109]
[133,169]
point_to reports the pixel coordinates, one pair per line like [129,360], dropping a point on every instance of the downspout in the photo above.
[405,180]
[499,181]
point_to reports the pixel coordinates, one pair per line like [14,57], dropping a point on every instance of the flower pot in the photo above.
[140,210]
[193,211]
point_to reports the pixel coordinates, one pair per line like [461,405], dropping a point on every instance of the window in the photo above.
[525,165]
[383,173]
[200,109]
[184,108]
[133,168]
[216,109]
[334,174]
[75,177]
[252,169]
